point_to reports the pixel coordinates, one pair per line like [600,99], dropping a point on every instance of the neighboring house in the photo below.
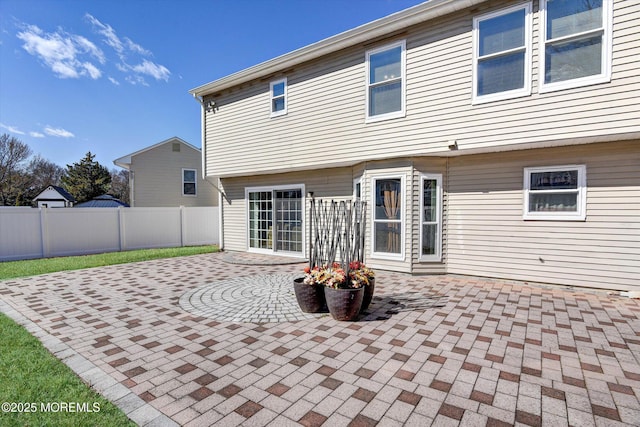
[54,197]
[104,201]
[168,173]
[490,138]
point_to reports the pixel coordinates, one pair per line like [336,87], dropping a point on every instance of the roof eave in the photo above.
[389,24]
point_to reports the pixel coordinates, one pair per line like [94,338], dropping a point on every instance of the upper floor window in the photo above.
[386,82]
[188,182]
[278,91]
[555,193]
[575,43]
[502,52]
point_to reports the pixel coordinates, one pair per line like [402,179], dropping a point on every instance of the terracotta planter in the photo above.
[344,304]
[310,297]
[368,294]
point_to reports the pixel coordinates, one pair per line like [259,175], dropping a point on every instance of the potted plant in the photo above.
[359,272]
[344,291]
[309,293]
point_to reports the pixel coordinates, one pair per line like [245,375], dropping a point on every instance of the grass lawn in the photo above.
[32,267]
[33,378]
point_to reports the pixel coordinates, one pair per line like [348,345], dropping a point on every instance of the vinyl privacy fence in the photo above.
[41,233]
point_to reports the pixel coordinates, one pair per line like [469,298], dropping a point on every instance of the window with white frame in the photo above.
[388,217]
[386,82]
[575,43]
[278,91]
[188,182]
[430,217]
[555,193]
[502,54]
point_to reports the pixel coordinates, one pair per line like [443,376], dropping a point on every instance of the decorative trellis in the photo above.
[336,232]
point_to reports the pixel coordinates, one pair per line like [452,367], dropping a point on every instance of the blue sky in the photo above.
[112,76]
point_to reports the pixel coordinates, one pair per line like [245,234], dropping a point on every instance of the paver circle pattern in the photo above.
[254,299]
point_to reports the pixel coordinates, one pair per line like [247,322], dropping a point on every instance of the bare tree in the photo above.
[120,184]
[13,178]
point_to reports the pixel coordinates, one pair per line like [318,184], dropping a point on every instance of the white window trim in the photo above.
[581,202]
[515,93]
[607,48]
[401,221]
[403,72]
[195,182]
[357,181]
[284,96]
[438,255]
[273,188]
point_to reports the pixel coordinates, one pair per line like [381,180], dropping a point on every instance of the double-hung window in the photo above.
[575,43]
[388,217]
[386,82]
[188,182]
[555,193]
[278,91]
[502,54]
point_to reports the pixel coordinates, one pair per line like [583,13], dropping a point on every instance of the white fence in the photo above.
[42,233]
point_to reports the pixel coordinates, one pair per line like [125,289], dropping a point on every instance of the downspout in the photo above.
[203,133]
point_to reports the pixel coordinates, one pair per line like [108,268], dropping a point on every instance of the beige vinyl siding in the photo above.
[157,178]
[487,236]
[325,124]
[427,165]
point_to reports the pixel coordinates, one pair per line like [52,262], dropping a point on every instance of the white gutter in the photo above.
[389,24]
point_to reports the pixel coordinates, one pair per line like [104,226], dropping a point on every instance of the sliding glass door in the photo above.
[276,219]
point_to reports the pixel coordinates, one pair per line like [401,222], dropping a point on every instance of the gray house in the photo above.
[488,137]
[168,173]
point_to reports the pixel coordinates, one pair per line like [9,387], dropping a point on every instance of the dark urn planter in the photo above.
[368,294]
[310,297]
[344,304]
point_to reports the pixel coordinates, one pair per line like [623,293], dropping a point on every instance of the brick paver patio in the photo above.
[436,350]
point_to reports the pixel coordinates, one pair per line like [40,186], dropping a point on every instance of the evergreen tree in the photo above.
[86,179]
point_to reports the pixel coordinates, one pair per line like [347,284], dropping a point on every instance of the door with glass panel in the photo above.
[275,220]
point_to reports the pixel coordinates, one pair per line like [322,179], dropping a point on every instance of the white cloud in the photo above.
[128,51]
[109,34]
[73,56]
[62,52]
[36,134]
[135,79]
[92,70]
[134,47]
[158,72]
[11,129]
[58,132]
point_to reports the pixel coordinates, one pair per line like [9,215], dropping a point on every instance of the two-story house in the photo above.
[490,138]
[168,173]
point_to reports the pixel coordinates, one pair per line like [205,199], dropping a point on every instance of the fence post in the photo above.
[44,242]
[121,228]
[183,226]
